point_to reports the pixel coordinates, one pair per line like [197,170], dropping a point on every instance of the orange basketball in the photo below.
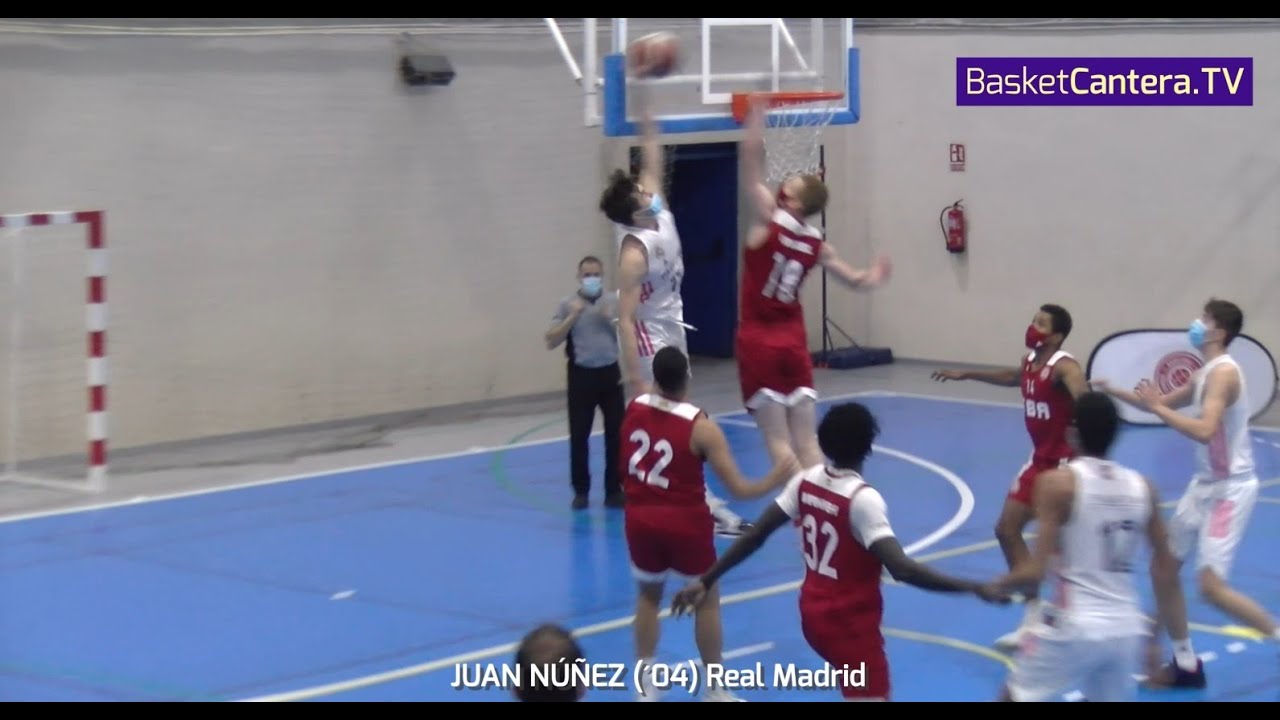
[654,55]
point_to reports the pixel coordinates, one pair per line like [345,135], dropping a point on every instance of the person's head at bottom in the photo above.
[544,646]
[846,435]
[671,373]
[1096,422]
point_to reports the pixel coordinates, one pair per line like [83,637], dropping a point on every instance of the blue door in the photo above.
[703,191]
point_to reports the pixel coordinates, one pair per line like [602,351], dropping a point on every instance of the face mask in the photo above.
[655,206]
[591,285]
[1035,338]
[1196,332]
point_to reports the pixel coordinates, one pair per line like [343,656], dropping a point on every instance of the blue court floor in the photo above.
[377,583]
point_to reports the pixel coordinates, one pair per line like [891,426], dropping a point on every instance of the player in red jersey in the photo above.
[1051,380]
[669,527]
[772,346]
[847,542]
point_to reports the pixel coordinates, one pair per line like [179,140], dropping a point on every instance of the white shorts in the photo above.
[1050,666]
[652,336]
[1212,517]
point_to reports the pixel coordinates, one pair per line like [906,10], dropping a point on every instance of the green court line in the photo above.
[498,469]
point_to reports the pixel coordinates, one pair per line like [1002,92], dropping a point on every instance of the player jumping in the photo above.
[775,368]
[650,274]
[847,543]
[1051,379]
[669,527]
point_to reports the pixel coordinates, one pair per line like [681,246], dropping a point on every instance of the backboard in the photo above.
[720,57]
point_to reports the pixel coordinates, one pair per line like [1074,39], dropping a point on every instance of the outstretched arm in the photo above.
[870,520]
[652,162]
[753,176]
[709,441]
[1178,398]
[1004,377]
[854,278]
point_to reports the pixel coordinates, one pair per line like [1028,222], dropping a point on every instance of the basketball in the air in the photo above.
[654,55]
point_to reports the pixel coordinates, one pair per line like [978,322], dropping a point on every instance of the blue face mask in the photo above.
[1196,332]
[655,206]
[591,285]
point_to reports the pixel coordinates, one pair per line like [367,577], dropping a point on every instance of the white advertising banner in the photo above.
[1167,358]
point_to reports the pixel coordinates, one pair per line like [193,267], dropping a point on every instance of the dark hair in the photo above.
[545,645]
[1227,316]
[1097,420]
[589,259]
[618,201]
[1060,317]
[671,370]
[847,433]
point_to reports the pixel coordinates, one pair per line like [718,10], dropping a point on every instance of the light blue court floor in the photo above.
[376,583]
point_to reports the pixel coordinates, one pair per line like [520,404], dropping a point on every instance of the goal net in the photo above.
[53,351]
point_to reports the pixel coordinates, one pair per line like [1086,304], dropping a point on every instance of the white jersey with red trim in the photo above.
[660,299]
[1093,581]
[1229,454]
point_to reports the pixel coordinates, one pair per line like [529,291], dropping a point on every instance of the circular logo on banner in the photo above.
[1175,370]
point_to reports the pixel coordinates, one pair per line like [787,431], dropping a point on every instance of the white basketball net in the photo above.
[793,139]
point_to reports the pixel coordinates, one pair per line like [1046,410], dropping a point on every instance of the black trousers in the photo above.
[589,389]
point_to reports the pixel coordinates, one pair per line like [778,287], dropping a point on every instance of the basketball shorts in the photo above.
[652,336]
[1211,517]
[1048,666]
[1024,484]
[849,641]
[665,540]
[777,369]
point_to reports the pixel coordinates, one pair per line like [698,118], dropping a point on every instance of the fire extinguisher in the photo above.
[954,229]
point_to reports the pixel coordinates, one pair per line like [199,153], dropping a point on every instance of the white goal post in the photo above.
[95,354]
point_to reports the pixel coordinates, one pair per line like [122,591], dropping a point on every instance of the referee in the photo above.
[585,320]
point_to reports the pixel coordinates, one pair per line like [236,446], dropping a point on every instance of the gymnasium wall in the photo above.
[296,238]
[1131,217]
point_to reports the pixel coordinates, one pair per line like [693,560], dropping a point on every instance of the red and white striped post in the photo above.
[97,327]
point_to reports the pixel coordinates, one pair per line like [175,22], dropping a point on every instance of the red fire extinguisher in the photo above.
[954,228]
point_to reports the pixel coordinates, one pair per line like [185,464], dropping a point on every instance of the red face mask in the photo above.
[1035,338]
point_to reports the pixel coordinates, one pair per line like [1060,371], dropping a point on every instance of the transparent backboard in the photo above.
[718,58]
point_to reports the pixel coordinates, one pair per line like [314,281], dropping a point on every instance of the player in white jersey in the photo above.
[1214,511]
[1093,515]
[650,274]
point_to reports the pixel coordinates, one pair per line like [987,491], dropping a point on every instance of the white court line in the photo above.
[961,516]
[340,471]
[445,456]
[998,403]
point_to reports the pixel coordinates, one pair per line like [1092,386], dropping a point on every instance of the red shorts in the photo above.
[663,539]
[1024,485]
[850,642]
[774,366]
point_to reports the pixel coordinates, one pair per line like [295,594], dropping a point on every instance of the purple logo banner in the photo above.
[1100,81]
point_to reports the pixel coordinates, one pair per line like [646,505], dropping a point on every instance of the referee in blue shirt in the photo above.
[585,322]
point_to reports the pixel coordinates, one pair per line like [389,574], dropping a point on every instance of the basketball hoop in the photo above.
[792,137]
